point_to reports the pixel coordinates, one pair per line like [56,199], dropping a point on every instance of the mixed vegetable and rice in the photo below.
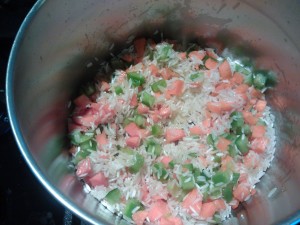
[176,137]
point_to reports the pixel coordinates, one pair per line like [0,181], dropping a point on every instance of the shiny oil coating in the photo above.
[61,43]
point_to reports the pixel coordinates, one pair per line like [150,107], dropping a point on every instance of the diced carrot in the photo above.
[158,210]
[226,163]
[167,73]
[220,204]
[164,111]
[249,118]
[176,89]
[74,126]
[203,161]
[225,70]
[258,131]
[219,107]
[196,130]
[241,192]
[142,109]
[197,55]
[133,142]
[211,53]
[223,144]
[165,160]
[155,117]
[139,217]
[127,57]
[154,70]
[255,93]
[222,86]
[192,202]
[237,78]
[208,210]
[182,55]
[211,63]
[170,221]
[139,47]
[260,105]
[101,140]
[134,100]
[226,106]
[259,145]
[214,107]
[132,129]
[104,86]
[173,134]
[82,101]
[241,89]
[84,168]
[98,180]
[251,160]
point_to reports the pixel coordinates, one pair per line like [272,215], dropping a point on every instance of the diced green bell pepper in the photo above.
[242,144]
[147,99]
[136,78]
[159,171]
[77,137]
[221,178]
[132,204]
[138,163]
[158,85]
[153,147]
[187,183]
[156,130]
[114,196]
[119,90]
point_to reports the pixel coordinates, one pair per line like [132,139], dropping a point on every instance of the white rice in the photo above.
[188,108]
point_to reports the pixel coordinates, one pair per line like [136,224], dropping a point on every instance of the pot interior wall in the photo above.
[62,43]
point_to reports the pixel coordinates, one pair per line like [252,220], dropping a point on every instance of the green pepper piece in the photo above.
[82,154]
[127,121]
[138,163]
[114,196]
[242,144]
[77,137]
[159,171]
[172,164]
[196,76]
[246,130]
[188,166]
[228,190]
[221,178]
[229,136]
[259,81]
[156,130]
[210,140]
[132,204]
[193,154]
[140,120]
[232,151]
[163,52]
[136,78]
[187,183]
[158,85]
[89,145]
[119,90]
[197,176]
[153,147]
[147,99]
[176,191]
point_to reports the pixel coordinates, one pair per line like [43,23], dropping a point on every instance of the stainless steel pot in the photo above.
[62,42]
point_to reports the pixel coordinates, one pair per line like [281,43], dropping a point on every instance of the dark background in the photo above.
[23,200]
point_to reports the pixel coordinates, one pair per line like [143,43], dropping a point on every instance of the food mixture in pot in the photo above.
[175,137]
